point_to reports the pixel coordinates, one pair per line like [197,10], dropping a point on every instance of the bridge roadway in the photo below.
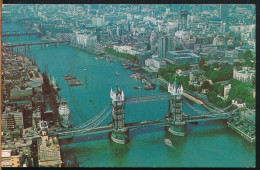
[158,122]
[21,34]
[80,132]
[155,97]
[31,44]
[199,118]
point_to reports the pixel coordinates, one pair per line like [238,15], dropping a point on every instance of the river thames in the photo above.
[208,144]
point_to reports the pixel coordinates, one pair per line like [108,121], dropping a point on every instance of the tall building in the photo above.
[164,46]
[223,12]
[183,21]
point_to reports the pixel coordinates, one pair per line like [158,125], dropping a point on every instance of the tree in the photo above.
[172,69]
[212,96]
[237,64]
[248,56]
[184,66]
[161,71]
[202,62]
[206,85]
[215,65]
[205,67]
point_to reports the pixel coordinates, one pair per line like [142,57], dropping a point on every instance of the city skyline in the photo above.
[128,85]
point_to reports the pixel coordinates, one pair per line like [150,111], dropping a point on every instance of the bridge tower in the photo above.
[177,125]
[120,133]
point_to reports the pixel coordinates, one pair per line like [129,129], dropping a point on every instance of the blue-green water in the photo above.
[209,144]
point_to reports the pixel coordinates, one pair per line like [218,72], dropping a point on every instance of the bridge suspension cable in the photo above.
[97,122]
[222,111]
[86,128]
[93,119]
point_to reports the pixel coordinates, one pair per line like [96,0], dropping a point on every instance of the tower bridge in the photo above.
[175,120]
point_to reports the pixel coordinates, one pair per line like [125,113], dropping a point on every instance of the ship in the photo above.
[137,87]
[117,73]
[168,142]
[64,112]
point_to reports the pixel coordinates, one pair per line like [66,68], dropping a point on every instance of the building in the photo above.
[10,158]
[36,118]
[226,91]
[48,151]
[223,12]
[231,54]
[97,21]
[244,75]
[125,49]
[177,57]
[155,63]
[85,40]
[183,20]
[164,46]
[114,18]
[12,120]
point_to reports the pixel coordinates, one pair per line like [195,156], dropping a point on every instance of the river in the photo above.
[208,144]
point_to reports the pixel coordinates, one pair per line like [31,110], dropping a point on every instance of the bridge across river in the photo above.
[176,120]
[36,43]
[20,34]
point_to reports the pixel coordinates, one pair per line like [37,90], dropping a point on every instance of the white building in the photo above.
[231,54]
[85,40]
[125,49]
[226,91]
[155,63]
[97,21]
[244,75]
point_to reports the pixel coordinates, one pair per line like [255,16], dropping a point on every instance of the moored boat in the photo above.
[64,112]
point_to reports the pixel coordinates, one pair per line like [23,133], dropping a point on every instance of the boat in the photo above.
[168,142]
[117,73]
[109,60]
[74,82]
[64,113]
[134,68]
[146,87]
[68,76]
[84,69]
[137,87]
[126,67]
[99,58]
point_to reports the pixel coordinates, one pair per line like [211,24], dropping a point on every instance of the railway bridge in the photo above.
[19,34]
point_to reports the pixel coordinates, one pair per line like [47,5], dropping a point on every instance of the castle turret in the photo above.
[120,133]
[177,125]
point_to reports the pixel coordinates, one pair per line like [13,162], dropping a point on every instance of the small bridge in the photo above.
[175,120]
